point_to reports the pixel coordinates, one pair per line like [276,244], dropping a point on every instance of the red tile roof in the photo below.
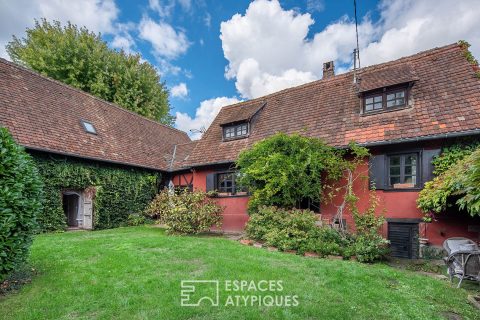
[45,114]
[181,153]
[445,98]
[246,112]
[387,76]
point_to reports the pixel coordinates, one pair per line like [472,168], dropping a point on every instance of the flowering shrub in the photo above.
[186,212]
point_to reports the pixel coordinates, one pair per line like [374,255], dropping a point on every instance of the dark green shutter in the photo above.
[377,171]
[211,182]
[427,166]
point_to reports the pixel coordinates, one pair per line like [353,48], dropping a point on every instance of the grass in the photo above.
[135,273]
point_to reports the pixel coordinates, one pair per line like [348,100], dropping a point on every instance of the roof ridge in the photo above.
[414,56]
[24,68]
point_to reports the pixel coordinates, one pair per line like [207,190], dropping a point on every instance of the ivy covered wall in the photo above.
[120,190]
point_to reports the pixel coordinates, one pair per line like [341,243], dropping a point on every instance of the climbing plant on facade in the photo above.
[457,182]
[119,191]
[282,170]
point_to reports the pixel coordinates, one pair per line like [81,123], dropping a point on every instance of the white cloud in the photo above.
[207,20]
[122,39]
[179,91]
[269,48]
[410,26]
[315,5]
[165,8]
[166,41]
[16,16]
[204,115]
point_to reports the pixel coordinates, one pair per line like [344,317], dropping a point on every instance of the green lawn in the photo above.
[135,273]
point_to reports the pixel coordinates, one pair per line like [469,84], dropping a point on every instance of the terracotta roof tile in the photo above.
[45,114]
[445,88]
[181,153]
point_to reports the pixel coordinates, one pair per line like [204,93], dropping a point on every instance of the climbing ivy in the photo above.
[119,191]
[456,182]
[469,56]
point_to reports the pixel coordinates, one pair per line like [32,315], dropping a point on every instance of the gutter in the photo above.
[457,134]
[422,138]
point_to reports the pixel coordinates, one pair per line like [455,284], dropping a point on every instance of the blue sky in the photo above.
[214,53]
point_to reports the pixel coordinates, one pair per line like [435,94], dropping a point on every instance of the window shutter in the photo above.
[377,173]
[427,166]
[211,182]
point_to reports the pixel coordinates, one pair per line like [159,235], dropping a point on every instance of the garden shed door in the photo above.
[87,214]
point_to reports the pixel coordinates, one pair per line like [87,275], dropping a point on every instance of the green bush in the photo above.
[281,228]
[370,247]
[185,212]
[20,203]
[328,241]
[138,219]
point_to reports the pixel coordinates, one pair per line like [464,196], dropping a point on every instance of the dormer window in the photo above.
[236,131]
[88,127]
[387,99]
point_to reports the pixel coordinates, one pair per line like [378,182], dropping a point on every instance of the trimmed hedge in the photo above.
[120,191]
[20,203]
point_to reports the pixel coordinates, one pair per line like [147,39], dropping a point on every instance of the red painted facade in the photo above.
[394,204]
[235,215]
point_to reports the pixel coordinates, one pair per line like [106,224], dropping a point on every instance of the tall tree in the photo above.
[83,60]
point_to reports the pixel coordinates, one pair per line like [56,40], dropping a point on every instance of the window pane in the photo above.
[378,106]
[400,101]
[225,182]
[395,171]
[408,170]
[394,180]
[369,107]
[395,161]
[369,100]
[378,98]
[400,94]
[391,103]
[411,179]
[390,96]
[411,160]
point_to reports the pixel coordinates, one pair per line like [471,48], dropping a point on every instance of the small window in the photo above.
[226,184]
[389,99]
[89,127]
[236,131]
[403,171]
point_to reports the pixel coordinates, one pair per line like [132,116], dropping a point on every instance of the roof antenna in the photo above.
[202,130]
[356,32]
[356,51]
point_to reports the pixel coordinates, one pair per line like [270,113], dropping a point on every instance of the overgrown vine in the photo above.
[119,191]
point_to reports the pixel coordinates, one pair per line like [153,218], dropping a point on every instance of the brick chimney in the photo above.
[328,70]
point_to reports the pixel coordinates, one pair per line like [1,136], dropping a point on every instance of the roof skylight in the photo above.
[89,127]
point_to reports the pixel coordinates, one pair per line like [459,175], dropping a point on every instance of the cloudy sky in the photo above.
[215,53]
